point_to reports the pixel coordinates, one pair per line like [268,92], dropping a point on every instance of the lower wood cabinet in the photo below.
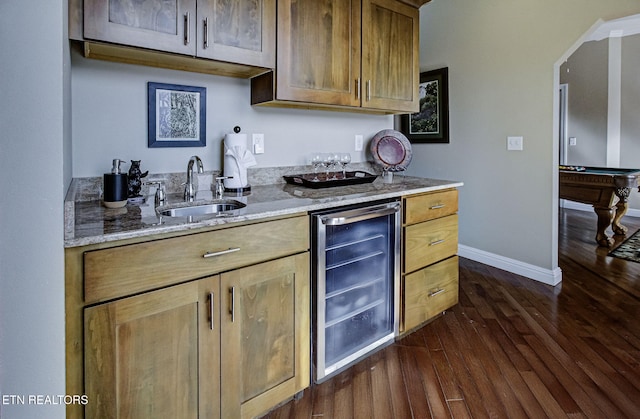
[265,331]
[429,283]
[228,338]
[155,355]
[232,345]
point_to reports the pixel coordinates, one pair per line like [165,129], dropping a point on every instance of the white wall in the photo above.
[110,121]
[503,58]
[586,74]
[33,74]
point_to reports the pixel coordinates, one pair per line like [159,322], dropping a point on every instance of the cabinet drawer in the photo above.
[429,292]
[431,241]
[124,270]
[430,206]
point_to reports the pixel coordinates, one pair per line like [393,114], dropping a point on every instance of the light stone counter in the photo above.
[88,222]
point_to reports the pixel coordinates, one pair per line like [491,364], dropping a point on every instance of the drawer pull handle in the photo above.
[187,28]
[434,293]
[433,243]
[220,252]
[438,206]
[211,307]
[232,308]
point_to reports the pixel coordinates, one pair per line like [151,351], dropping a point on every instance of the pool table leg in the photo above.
[605,217]
[621,210]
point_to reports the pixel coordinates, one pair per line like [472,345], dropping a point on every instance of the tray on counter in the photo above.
[321,180]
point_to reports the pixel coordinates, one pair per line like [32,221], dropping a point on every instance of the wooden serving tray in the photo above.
[320,180]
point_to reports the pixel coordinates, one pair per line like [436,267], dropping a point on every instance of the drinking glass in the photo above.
[345,159]
[316,161]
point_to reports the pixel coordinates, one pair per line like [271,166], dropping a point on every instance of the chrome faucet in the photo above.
[189,189]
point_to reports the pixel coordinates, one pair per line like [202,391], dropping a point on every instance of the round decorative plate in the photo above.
[392,150]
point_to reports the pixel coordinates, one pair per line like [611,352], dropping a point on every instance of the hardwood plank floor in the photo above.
[511,348]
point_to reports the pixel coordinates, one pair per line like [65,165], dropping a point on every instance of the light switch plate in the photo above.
[515,143]
[359,142]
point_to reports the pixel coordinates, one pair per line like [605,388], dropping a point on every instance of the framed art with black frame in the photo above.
[177,115]
[431,123]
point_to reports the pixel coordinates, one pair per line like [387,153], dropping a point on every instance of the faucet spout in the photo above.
[189,188]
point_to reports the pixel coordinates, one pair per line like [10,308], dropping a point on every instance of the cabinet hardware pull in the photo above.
[232,291]
[434,293]
[368,90]
[220,252]
[211,307]
[187,19]
[435,242]
[437,206]
[206,33]
[358,88]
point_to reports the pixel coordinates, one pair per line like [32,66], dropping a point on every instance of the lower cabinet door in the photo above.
[265,335]
[155,354]
[429,292]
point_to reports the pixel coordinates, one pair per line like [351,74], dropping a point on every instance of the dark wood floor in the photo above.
[512,347]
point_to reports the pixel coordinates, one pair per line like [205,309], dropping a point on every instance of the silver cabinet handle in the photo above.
[435,242]
[368,90]
[434,293]
[437,206]
[206,33]
[220,252]
[187,21]
[358,88]
[232,291]
[211,307]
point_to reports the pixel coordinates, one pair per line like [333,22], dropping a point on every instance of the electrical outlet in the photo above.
[573,141]
[257,140]
[359,142]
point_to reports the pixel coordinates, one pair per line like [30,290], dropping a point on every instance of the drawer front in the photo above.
[426,207]
[429,242]
[429,292]
[125,270]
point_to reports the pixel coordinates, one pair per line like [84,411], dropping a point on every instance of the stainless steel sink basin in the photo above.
[211,208]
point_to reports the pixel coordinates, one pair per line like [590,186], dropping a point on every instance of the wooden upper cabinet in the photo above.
[390,62]
[344,54]
[238,31]
[319,51]
[167,25]
[238,35]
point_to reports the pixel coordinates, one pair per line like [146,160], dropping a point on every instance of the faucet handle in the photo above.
[161,195]
[220,185]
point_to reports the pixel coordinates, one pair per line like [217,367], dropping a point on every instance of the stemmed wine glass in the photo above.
[316,161]
[345,159]
[329,161]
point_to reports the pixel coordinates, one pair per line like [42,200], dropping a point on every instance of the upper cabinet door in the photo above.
[167,25]
[241,31]
[319,51]
[390,62]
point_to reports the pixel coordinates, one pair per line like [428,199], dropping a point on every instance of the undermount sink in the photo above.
[216,208]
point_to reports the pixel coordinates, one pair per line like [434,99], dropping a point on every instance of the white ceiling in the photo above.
[616,28]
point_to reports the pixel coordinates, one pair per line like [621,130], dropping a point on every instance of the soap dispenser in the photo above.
[115,187]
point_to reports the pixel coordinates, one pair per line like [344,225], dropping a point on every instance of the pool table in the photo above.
[607,189]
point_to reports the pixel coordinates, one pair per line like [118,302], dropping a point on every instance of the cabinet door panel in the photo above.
[153,355]
[167,25]
[241,31]
[390,55]
[319,51]
[265,324]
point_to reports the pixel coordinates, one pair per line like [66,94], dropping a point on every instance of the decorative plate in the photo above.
[392,150]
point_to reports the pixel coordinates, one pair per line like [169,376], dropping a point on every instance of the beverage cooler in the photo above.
[356,271]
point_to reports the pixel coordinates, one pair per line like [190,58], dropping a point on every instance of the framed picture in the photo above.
[431,123]
[177,115]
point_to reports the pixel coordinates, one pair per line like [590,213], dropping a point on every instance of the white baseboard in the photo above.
[631,212]
[546,276]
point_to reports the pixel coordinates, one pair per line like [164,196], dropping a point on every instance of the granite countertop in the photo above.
[88,222]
